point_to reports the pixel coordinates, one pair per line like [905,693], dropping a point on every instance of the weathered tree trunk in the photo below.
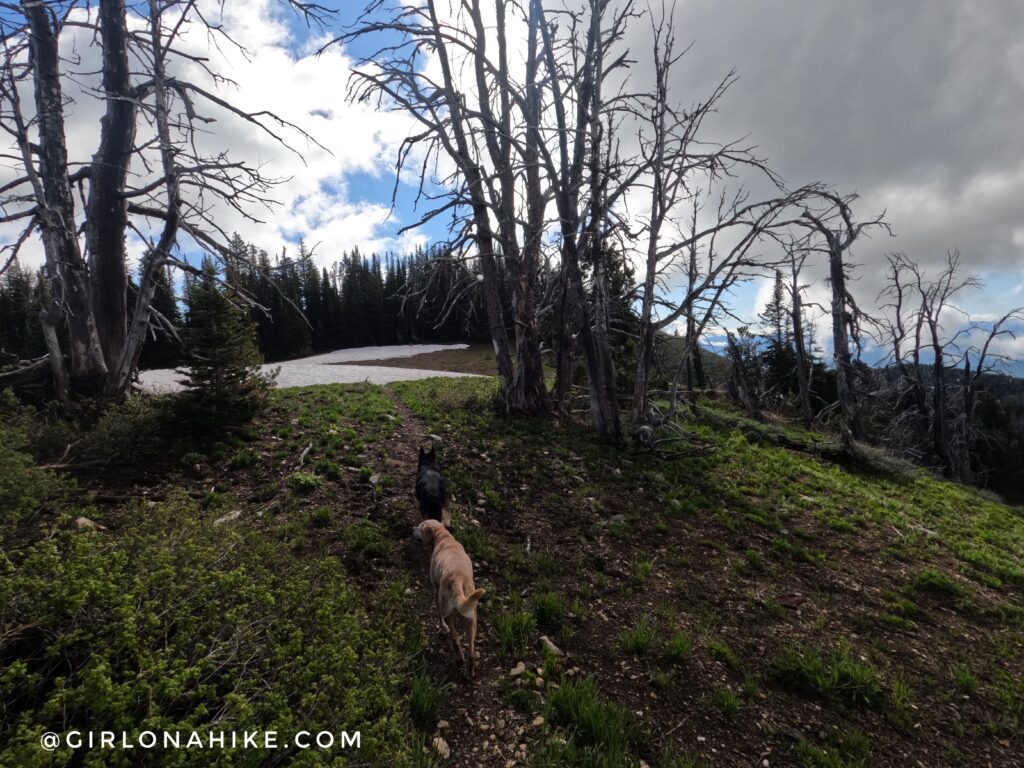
[606,410]
[740,380]
[128,358]
[940,432]
[850,429]
[65,266]
[107,208]
[565,352]
[484,235]
[802,368]
[644,359]
[531,389]
[568,177]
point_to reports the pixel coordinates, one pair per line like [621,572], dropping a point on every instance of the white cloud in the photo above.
[303,89]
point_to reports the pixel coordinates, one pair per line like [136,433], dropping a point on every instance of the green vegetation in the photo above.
[174,621]
[964,679]
[678,648]
[725,701]
[550,611]
[224,387]
[836,674]
[424,701]
[638,638]
[596,733]
[311,569]
[720,650]
[514,629]
[303,482]
[935,583]
[367,539]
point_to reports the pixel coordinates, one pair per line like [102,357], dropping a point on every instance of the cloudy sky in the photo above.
[916,106]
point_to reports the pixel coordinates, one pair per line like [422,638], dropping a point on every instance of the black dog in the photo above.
[430,486]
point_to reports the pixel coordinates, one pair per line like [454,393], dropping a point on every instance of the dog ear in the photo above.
[426,534]
[423,455]
[432,456]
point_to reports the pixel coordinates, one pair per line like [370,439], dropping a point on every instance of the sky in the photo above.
[918,107]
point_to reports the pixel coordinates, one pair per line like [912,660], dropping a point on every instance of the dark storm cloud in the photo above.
[918,106]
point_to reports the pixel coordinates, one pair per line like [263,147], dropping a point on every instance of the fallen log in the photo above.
[30,380]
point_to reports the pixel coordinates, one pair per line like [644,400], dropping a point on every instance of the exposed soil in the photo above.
[478,359]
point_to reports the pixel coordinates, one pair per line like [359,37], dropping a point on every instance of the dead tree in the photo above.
[579,167]
[966,435]
[797,257]
[836,227]
[743,390]
[928,409]
[683,175]
[147,170]
[484,125]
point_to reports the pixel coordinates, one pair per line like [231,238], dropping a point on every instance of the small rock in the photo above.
[546,642]
[375,479]
[442,724]
[232,515]
[408,591]
[538,721]
[435,438]
[441,747]
[517,670]
[539,682]
[765,763]
[85,524]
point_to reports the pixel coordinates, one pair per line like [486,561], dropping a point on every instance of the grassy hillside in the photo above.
[747,603]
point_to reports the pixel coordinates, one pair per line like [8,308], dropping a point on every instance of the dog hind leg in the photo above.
[440,614]
[455,636]
[473,655]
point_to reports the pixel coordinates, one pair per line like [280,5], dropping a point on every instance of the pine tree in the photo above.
[224,387]
[775,317]
[779,359]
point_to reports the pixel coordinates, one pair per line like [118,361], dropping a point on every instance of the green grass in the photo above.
[678,648]
[243,459]
[901,698]
[637,639]
[303,482]
[964,679]
[640,571]
[596,732]
[725,701]
[836,675]
[549,610]
[721,651]
[367,539]
[849,748]
[514,630]
[424,702]
[265,584]
[935,583]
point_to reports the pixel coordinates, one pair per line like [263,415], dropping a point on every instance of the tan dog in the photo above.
[451,573]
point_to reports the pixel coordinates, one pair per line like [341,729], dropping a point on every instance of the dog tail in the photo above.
[467,605]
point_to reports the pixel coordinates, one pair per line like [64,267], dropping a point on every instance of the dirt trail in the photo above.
[476,725]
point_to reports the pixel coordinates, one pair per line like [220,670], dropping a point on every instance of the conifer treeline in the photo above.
[357,301]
